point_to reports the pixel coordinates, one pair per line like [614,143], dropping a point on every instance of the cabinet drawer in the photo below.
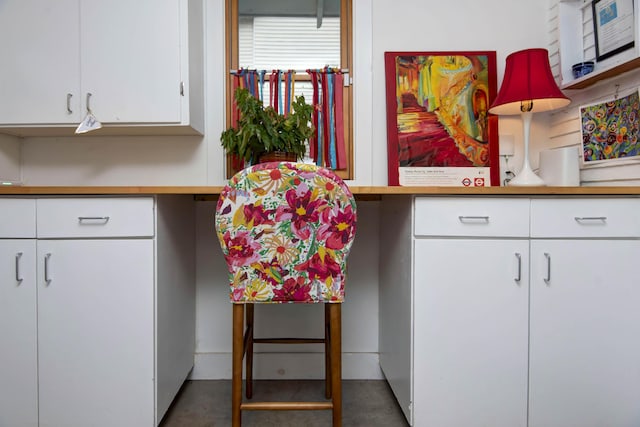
[588,217]
[17,218]
[491,217]
[95,217]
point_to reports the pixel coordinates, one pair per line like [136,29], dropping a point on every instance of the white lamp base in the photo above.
[527,178]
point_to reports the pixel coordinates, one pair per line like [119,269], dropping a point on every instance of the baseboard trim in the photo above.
[288,366]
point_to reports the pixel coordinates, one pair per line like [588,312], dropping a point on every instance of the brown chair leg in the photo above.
[327,353]
[236,372]
[249,361]
[335,328]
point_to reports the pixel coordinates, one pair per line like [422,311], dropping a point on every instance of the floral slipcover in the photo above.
[285,230]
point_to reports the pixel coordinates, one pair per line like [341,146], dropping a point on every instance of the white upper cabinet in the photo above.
[137,66]
[40,53]
[129,59]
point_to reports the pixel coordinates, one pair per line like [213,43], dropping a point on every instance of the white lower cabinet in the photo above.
[558,347]
[470,336]
[18,314]
[95,332]
[585,334]
[584,363]
[90,344]
[18,331]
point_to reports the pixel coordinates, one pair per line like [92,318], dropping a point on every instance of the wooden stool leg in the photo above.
[327,353]
[335,332]
[236,372]
[249,361]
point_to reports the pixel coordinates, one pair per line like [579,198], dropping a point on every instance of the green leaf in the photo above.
[260,129]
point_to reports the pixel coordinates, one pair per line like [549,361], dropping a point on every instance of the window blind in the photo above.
[267,43]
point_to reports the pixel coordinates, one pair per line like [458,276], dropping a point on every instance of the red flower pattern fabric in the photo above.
[286,230]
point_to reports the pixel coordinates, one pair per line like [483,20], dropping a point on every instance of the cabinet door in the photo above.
[470,332]
[40,50]
[96,332]
[18,332]
[585,329]
[130,59]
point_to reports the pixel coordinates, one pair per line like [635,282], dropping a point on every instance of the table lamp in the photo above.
[528,87]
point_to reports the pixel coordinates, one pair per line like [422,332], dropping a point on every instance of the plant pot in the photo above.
[278,156]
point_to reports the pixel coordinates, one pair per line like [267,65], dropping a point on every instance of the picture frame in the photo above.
[610,129]
[439,131]
[613,27]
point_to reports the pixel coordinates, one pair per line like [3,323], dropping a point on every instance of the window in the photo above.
[292,35]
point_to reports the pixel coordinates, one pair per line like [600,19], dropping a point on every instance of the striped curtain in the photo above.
[282,90]
[327,146]
[253,81]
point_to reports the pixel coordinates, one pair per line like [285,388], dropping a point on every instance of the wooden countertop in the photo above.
[361,192]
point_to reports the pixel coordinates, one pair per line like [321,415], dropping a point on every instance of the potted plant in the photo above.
[261,131]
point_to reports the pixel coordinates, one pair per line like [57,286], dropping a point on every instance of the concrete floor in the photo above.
[208,404]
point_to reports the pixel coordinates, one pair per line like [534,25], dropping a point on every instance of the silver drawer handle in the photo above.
[102,219]
[590,218]
[470,218]
[548,278]
[519,277]
[19,277]
[69,110]
[47,273]
[88,102]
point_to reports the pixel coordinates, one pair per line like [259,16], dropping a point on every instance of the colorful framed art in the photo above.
[611,129]
[439,132]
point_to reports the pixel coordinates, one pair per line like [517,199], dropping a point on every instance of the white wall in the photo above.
[501,25]
[379,26]
[147,160]
[10,157]
[383,25]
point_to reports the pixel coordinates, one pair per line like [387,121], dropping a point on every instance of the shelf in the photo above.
[576,43]
[596,76]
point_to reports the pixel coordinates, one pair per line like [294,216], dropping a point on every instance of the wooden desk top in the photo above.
[361,192]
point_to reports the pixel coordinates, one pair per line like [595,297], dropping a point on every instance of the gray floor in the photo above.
[208,403]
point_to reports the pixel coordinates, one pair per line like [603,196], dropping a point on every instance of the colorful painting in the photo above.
[610,130]
[439,131]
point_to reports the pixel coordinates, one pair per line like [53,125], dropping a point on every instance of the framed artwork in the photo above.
[439,132]
[613,27]
[611,129]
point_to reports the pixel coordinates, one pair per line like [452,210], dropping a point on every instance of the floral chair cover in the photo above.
[286,230]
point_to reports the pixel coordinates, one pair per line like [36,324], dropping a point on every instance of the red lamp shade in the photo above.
[527,77]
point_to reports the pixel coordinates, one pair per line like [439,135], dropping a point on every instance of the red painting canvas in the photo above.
[439,131]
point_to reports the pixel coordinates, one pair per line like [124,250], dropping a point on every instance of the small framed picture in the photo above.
[613,22]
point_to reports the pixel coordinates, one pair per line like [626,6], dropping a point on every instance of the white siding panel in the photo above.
[564,125]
